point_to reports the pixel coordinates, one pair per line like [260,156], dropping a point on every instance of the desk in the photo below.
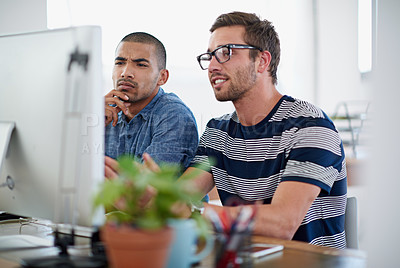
[300,254]
[295,254]
[303,255]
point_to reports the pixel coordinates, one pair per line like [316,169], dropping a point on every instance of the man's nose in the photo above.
[214,65]
[127,71]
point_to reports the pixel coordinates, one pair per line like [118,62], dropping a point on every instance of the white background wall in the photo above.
[383,168]
[18,16]
[338,77]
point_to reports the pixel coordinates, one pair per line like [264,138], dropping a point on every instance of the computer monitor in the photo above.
[52,124]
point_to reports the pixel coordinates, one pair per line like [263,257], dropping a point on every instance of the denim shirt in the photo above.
[166,129]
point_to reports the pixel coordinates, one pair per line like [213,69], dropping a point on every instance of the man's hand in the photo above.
[111,168]
[149,163]
[118,99]
[181,210]
[148,196]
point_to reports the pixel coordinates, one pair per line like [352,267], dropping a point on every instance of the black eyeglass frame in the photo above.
[229,46]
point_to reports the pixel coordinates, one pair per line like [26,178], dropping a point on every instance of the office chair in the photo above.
[351,223]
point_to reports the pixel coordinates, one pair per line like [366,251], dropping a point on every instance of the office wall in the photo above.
[18,16]
[294,22]
[383,234]
[337,74]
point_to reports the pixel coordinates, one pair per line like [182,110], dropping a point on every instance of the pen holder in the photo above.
[233,250]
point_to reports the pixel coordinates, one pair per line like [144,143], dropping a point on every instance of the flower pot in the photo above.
[130,247]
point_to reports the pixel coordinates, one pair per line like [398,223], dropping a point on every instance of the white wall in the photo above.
[338,77]
[383,173]
[18,16]
[294,23]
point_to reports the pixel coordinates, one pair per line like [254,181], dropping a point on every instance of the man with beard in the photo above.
[275,152]
[139,116]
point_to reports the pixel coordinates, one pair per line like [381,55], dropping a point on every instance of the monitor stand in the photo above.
[63,259]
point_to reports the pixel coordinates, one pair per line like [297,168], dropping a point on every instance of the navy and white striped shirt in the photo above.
[295,142]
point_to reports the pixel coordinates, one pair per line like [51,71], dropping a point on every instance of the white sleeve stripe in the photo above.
[326,175]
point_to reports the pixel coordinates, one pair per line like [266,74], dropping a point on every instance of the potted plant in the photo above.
[140,231]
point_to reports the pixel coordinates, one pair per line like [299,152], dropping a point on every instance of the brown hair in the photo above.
[258,33]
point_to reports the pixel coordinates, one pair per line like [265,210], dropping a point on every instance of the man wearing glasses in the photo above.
[275,152]
[274,149]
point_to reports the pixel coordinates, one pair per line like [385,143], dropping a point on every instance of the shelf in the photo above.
[349,119]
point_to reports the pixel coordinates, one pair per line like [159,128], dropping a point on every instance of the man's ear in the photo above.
[163,77]
[264,61]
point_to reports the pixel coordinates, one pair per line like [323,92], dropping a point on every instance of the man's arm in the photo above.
[280,219]
[203,182]
[174,137]
[284,215]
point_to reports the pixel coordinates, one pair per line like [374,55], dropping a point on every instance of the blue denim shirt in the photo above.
[165,128]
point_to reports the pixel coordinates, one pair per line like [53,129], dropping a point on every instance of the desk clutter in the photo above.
[230,246]
[34,243]
[233,237]
[288,254]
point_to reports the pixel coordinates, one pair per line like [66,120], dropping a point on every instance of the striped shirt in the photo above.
[295,142]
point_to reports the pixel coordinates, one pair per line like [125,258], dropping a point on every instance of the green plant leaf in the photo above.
[121,196]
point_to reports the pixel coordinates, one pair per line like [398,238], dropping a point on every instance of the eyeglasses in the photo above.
[221,53]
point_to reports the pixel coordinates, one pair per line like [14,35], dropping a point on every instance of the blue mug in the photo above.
[184,245]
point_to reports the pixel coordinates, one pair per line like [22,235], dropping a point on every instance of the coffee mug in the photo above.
[184,245]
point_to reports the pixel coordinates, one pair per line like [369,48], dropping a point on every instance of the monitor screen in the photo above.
[52,124]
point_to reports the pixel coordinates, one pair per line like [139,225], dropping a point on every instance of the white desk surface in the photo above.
[41,230]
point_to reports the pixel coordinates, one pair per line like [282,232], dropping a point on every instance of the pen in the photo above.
[242,223]
[225,220]
[215,220]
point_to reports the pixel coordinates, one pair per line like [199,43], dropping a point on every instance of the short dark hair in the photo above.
[258,33]
[142,37]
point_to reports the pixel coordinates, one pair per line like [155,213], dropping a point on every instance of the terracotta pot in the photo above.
[130,247]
